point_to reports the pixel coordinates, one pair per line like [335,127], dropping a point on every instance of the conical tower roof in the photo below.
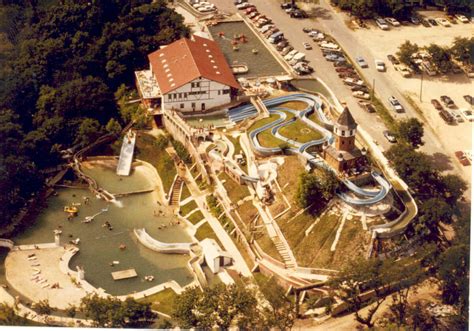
[346,119]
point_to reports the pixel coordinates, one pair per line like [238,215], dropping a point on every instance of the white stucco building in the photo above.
[191,76]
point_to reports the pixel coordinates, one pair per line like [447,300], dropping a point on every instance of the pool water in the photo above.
[262,64]
[99,246]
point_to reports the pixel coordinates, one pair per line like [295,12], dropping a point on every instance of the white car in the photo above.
[397,107]
[444,22]
[457,116]
[468,114]
[307,46]
[290,55]
[267,27]
[462,18]
[243,5]
[381,23]
[380,65]
[392,21]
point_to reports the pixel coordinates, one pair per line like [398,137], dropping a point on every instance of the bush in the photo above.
[181,151]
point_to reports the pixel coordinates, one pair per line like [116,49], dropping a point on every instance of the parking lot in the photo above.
[381,43]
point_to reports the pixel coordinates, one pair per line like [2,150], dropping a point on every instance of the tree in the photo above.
[440,57]
[113,126]
[71,311]
[317,187]
[406,51]
[112,312]
[43,307]
[220,305]
[8,316]
[380,277]
[431,213]
[281,312]
[462,49]
[411,132]
[88,132]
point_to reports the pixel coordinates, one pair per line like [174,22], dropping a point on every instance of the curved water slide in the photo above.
[168,248]
[362,196]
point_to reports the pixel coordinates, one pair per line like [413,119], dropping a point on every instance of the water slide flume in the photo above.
[361,196]
[168,248]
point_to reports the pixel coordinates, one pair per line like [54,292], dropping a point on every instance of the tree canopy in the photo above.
[314,188]
[58,79]
[411,132]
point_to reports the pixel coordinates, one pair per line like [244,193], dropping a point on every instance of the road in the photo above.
[332,23]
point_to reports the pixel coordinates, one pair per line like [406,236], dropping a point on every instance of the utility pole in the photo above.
[421,86]
[373,90]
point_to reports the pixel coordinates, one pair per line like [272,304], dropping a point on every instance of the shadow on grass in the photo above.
[441,161]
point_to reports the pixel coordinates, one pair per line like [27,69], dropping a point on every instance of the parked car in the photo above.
[361,95]
[243,5]
[361,62]
[393,59]
[469,99]
[448,102]
[444,22]
[334,58]
[297,13]
[367,106]
[390,136]
[467,114]
[446,116]
[396,106]
[425,23]
[457,116]
[462,18]
[380,65]
[287,5]
[253,14]
[432,21]
[436,104]
[286,50]
[392,21]
[451,19]
[415,20]
[462,158]
[290,55]
[266,27]
[307,46]
[404,71]
[381,23]
[238,2]
[307,30]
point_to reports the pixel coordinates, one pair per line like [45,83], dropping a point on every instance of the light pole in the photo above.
[421,86]
[373,91]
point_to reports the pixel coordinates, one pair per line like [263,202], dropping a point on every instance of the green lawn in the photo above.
[267,245]
[266,139]
[162,301]
[195,217]
[236,143]
[289,184]
[296,105]
[185,192]
[148,150]
[187,208]
[263,122]
[300,132]
[234,190]
[314,250]
[294,230]
[247,212]
[205,231]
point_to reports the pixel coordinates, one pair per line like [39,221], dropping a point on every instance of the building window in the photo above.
[174,95]
[170,96]
[185,95]
[203,106]
[193,105]
[180,95]
[197,84]
[343,132]
[226,91]
[218,92]
[181,105]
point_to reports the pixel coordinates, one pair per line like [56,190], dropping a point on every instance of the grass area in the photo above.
[234,190]
[185,192]
[247,212]
[247,258]
[162,301]
[314,117]
[205,231]
[267,245]
[195,217]
[187,208]
[300,132]
[267,139]
[314,249]
[289,183]
[293,228]
[236,143]
[384,114]
[149,149]
[263,122]
[296,105]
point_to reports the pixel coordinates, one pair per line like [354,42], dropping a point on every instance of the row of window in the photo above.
[173,96]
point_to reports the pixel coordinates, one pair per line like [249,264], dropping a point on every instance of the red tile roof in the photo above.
[186,60]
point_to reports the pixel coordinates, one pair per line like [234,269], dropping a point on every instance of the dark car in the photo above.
[298,14]
[447,117]
[469,99]
[432,21]
[307,30]
[286,5]
[415,20]
[436,104]
[393,59]
[448,102]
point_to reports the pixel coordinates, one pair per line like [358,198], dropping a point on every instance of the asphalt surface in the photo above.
[328,21]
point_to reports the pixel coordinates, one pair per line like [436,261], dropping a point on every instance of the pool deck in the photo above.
[20,270]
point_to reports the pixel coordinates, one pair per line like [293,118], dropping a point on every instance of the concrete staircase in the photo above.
[282,250]
[176,191]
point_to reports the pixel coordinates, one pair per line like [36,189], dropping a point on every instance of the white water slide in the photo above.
[168,248]
[126,154]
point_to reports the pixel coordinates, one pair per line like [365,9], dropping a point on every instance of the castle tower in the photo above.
[345,130]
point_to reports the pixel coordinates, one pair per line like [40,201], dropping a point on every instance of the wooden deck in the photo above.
[124,274]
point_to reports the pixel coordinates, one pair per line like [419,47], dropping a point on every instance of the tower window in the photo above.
[343,132]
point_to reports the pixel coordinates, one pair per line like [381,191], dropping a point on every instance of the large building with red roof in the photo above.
[189,75]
